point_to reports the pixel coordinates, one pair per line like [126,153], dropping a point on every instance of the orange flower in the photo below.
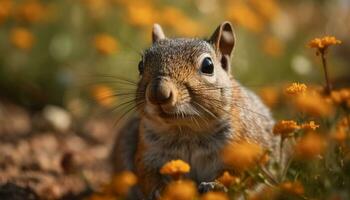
[105,44]
[31,11]
[296,89]
[5,9]
[310,146]
[285,127]
[339,135]
[340,96]
[103,95]
[295,187]
[123,181]
[324,42]
[214,196]
[310,126]
[175,168]
[227,179]
[313,104]
[180,190]
[269,95]
[242,155]
[22,38]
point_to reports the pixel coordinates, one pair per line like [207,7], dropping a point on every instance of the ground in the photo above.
[49,154]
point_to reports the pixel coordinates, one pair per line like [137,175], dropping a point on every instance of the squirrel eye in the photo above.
[140,67]
[207,66]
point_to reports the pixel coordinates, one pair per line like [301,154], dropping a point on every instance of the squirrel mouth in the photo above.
[177,115]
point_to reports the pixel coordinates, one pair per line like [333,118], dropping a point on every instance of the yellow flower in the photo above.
[310,126]
[175,168]
[313,104]
[22,38]
[285,127]
[296,89]
[103,95]
[123,181]
[295,187]
[227,179]
[269,95]
[105,44]
[180,190]
[324,42]
[310,146]
[31,11]
[242,155]
[5,9]
[214,196]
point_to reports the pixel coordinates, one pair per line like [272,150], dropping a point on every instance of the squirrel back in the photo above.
[189,107]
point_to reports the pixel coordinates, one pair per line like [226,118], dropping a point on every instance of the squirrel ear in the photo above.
[157,33]
[224,39]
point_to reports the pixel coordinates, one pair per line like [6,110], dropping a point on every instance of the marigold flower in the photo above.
[180,190]
[227,179]
[214,196]
[340,96]
[5,9]
[22,38]
[175,168]
[123,181]
[105,44]
[310,146]
[324,42]
[340,134]
[295,187]
[313,104]
[103,95]
[285,127]
[296,89]
[242,155]
[310,126]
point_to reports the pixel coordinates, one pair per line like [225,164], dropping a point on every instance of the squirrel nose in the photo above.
[160,91]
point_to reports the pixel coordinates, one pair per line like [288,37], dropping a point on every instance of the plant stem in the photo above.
[325,69]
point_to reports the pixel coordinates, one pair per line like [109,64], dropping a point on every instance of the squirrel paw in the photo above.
[211,186]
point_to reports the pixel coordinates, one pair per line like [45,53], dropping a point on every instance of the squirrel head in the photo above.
[186,82]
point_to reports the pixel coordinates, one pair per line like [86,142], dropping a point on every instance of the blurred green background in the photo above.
[56,51]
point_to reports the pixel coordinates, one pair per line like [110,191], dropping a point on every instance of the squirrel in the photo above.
[189,107]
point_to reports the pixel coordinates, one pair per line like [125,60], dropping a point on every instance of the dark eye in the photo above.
[140,67]
[207,66]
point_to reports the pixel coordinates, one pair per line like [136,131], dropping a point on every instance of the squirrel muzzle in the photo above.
[161,91]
